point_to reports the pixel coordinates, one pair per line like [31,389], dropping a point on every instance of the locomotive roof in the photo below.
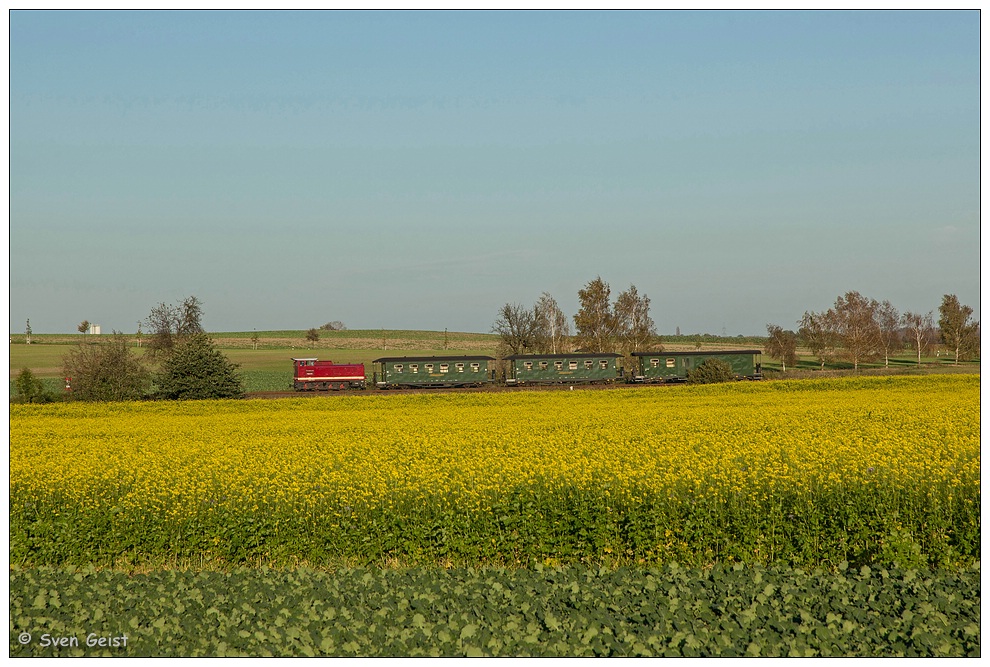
[694,353]
[572,355]
[464,357]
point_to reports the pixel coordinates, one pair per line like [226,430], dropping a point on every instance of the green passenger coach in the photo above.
[423,372]
[577,367]
[674,366]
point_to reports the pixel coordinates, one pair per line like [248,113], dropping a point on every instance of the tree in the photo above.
[27,332]
[313,336]
[106,371]
[336,325]
[30,389]
[634,326]
[83,327]
[818,333]
[710,371]
[887,321]
[196,369]
[958,332]
[254,339]
[170,324]
[920,331]
[854,320]
[781,345]
[595,322]
[516,328]
[551,327]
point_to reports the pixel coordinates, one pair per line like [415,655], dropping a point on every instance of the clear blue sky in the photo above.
[419,170]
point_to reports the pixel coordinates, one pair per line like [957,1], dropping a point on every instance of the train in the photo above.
[479,370]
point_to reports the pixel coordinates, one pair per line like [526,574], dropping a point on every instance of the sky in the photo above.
[418,170]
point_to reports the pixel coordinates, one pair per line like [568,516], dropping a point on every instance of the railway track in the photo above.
[288,393]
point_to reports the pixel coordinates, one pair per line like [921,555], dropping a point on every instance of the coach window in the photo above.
[588,363]
[398,368]
[429,368]
[670,363]
[572,365]
[558,365]
[444,368]
[475,367]
[460,368]
[603,364]
[687,362]
[543,365]
[528,365]
[655,363]
[413,368]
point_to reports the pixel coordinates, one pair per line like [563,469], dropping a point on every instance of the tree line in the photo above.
[600,325]
[859,330]
[181,362]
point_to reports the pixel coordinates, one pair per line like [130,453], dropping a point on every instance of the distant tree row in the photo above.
[600,325]
[861,330]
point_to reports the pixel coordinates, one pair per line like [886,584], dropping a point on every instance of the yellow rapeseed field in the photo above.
[748,443]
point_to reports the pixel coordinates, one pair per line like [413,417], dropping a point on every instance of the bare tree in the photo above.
[854,317]
[516,327]
[634,326]
[818,333]
[552,328]
[887,321]
[169,324]
[595,322]
[958,332]
[782,345]
[921,332]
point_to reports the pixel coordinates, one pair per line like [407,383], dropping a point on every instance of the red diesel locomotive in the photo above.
[312,374]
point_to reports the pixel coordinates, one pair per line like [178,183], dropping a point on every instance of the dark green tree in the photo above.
[711,371]
[106,371]
[30,389]
[196,369]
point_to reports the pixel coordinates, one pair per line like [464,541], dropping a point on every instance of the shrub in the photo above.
[711,371]
[106,371]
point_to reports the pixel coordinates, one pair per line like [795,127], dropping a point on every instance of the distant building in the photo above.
[94,329]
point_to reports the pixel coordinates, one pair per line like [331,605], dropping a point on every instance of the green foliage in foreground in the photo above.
[528,526]
[736,611]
